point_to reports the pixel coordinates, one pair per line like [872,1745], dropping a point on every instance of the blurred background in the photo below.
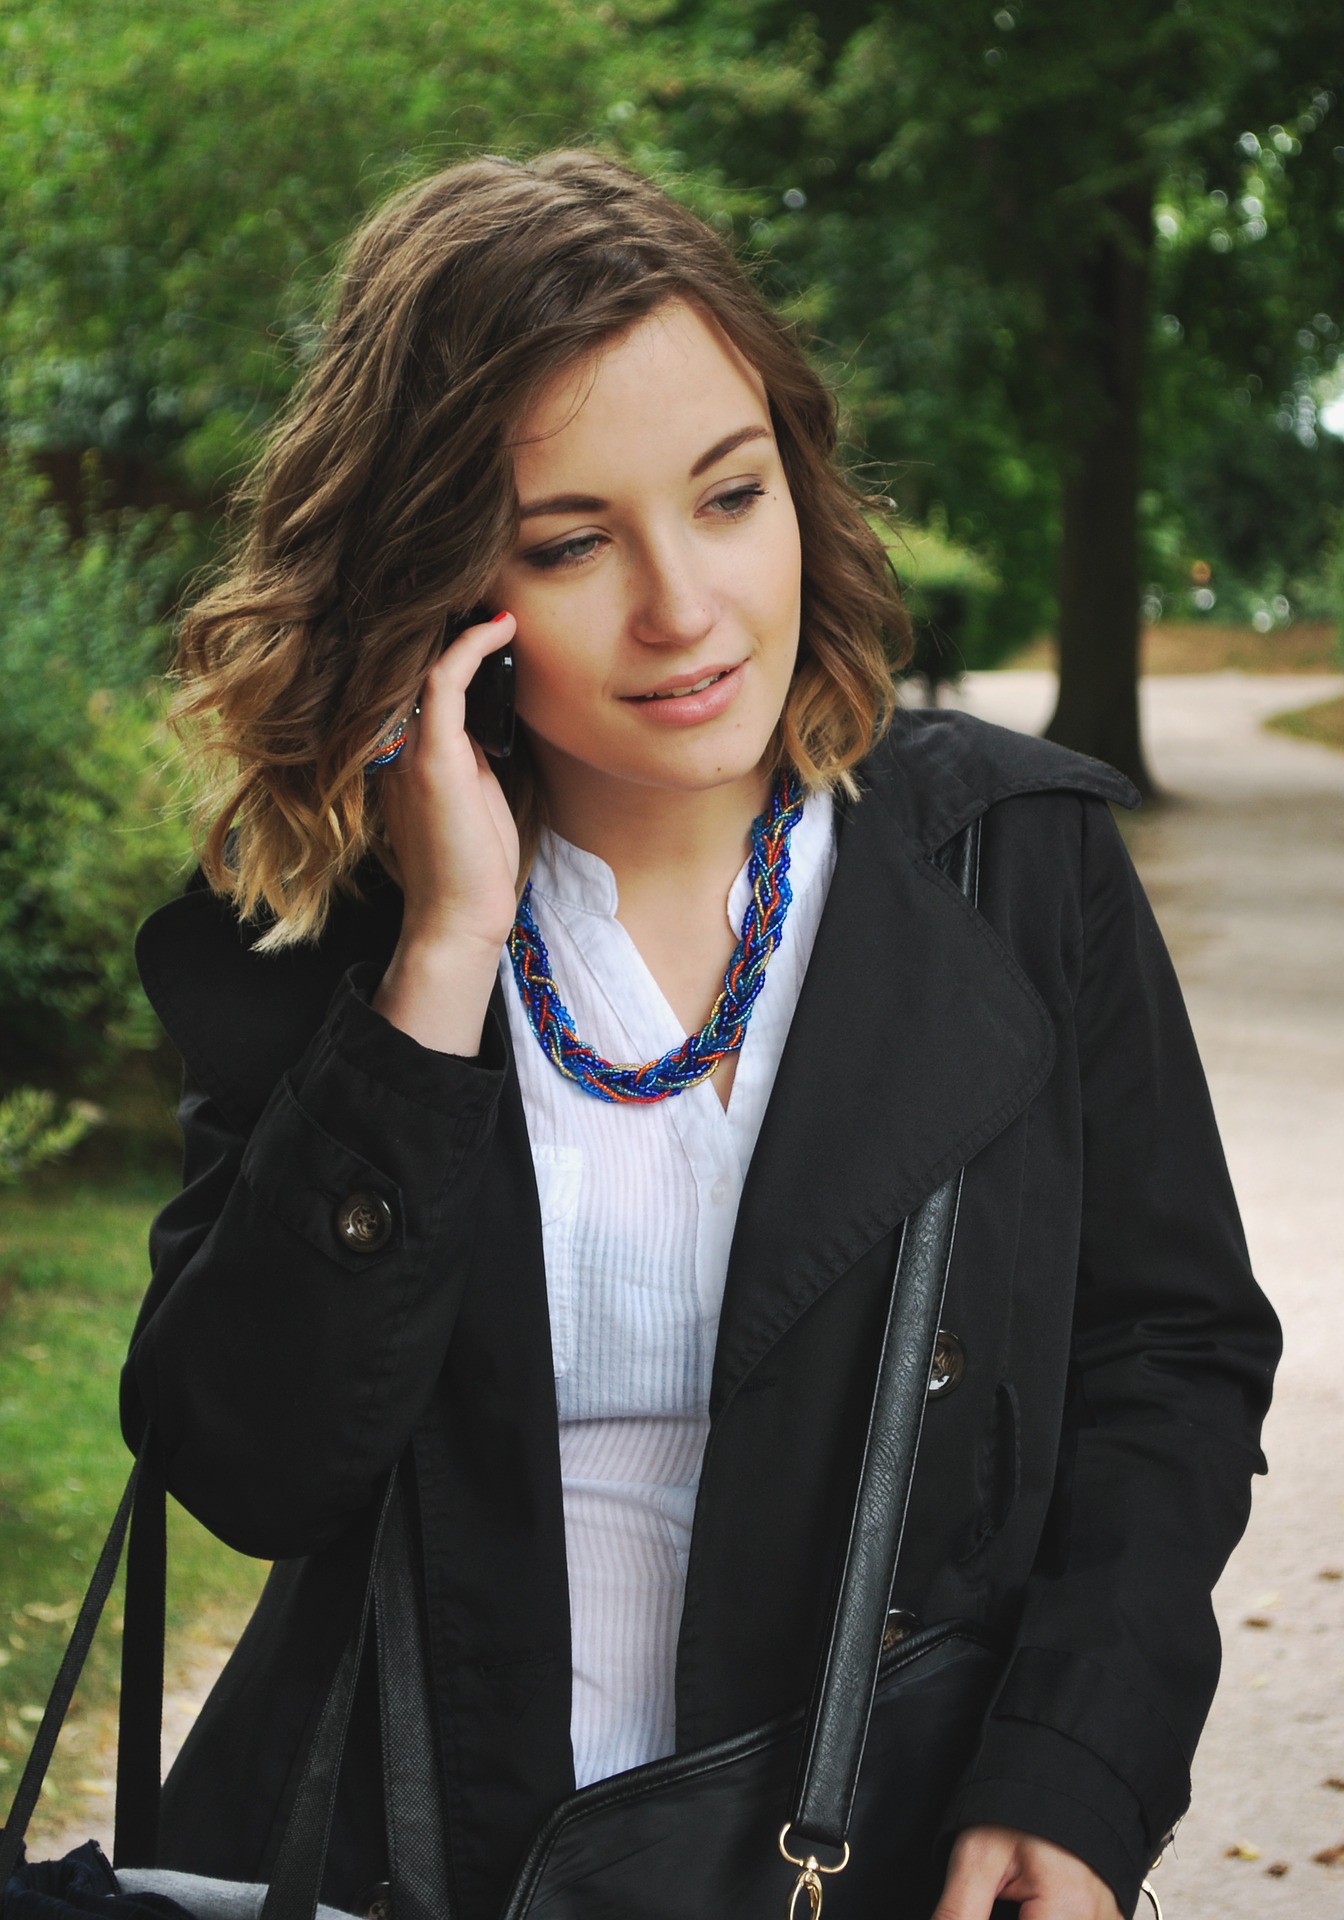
[1076,271]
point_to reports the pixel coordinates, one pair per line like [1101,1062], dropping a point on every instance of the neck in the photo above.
[658,842]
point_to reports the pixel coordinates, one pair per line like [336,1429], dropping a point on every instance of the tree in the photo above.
[176,185]
[973,196]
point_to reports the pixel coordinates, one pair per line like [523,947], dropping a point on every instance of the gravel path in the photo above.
[1245,866]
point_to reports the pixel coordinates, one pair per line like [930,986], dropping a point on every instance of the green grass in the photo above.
[72,1269]
[1322,722]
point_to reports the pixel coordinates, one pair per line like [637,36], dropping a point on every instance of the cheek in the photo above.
[555,668]
[782,575]
[784,556]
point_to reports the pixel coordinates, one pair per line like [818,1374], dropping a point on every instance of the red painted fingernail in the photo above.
[500,616]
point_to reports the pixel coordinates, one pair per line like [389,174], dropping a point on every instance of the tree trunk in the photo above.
[1097,710]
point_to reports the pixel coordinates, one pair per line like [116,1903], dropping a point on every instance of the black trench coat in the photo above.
[1077,1494]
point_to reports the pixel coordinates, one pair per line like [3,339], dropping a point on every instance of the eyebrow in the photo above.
[589,503]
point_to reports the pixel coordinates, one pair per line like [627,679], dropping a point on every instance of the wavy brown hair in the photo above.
[385,503]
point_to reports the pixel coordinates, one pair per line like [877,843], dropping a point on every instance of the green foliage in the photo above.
[92,832]
[929,561]
[32,1131]
[177,174]
[952,594]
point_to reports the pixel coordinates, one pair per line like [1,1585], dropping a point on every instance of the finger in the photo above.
[973,1884]
[452,671]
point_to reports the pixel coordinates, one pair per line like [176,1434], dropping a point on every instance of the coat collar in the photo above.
[917,1036]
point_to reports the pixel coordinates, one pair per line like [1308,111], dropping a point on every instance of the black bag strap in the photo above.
[67,1678]
[416,1834]
[842,1702]
[140,1733]
[296,1877]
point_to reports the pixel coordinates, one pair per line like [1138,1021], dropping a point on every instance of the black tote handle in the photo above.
[142,1513]
[416,1830]
[296,1877]
[837,1726]
[842,1702]
[140,1732]
[67,1679]
[416,1834]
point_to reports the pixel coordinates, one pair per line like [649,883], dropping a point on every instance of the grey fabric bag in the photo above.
[208,1899]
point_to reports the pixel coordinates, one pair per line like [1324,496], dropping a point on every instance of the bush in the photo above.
[32,1131]
[950,593]
[91,831]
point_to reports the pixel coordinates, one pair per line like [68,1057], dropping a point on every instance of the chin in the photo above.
[705,769]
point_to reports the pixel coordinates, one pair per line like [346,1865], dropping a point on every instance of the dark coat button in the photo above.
[949,1364]
[364,1222]
[901,1623]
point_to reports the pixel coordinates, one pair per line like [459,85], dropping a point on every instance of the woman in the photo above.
[627,1341]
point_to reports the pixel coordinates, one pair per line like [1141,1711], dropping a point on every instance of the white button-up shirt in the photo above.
[638,1205]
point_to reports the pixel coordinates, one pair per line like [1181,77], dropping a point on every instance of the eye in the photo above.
[737,501]
[568,553]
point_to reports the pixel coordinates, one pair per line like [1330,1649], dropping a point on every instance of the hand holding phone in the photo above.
[489,705]
[452,846]
[447,820]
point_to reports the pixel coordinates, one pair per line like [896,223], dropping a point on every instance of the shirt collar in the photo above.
[568,876]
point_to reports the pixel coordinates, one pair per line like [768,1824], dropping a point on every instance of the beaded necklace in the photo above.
[726,1028]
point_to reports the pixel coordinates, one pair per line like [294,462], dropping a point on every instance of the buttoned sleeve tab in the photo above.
[345,1207]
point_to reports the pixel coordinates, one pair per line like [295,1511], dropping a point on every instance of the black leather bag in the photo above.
[699,1834]
[848,1795]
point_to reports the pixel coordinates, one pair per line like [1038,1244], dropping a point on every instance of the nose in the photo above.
[673,603]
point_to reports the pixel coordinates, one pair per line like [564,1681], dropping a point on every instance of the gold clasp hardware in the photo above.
[1147,1888]
[808,1882]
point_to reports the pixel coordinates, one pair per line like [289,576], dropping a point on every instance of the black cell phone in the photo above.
[490,697]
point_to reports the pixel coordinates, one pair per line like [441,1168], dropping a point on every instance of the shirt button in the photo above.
[364,1222]
[718,1193]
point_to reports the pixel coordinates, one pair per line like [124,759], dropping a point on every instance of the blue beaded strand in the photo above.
[724,1031]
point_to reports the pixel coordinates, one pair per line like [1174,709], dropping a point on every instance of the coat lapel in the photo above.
[917,1038]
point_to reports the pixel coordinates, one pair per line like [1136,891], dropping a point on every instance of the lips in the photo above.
[684,689]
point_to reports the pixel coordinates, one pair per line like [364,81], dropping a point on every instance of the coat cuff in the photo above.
[1041,1782]
[446,1082]
[1067,1751]
[365,1081]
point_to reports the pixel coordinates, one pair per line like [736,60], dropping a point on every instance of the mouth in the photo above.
[690,687]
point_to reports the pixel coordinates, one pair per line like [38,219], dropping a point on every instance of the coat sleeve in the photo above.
[284,1368]
[1172,1354]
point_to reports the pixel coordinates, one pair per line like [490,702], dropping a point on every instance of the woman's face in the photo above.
[656,576]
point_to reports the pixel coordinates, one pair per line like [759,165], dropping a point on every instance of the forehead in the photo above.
[659,394]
